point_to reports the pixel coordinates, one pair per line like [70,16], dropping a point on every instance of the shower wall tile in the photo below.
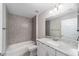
[19,29]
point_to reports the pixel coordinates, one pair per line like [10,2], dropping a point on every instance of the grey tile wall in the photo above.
[19,29]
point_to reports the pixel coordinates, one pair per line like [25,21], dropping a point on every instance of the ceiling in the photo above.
[28,9]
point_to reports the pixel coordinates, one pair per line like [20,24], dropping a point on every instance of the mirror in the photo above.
[62,26]
[53,28]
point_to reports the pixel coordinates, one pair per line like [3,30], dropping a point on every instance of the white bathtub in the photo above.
[19,49]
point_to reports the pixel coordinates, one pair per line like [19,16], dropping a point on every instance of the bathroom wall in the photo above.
[41,24]
[19,29]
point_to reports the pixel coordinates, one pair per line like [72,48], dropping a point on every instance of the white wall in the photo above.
[41,23]
[0,27]
[41,26]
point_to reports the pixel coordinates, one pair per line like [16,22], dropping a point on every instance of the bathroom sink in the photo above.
[59,44]
[53,43]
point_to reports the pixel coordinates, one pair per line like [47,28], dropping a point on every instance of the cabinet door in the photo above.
[58,53]
[51,51]
[41,50]
[44,50]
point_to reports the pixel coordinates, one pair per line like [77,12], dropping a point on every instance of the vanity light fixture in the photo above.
[56,8]
[51,11]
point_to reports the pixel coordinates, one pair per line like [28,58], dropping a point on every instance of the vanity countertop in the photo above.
[60,46]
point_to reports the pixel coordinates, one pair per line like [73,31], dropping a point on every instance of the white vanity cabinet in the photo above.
[45,50]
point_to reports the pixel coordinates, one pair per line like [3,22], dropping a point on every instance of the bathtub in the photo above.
[19,49]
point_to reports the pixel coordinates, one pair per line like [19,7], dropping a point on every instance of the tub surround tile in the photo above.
[19,29]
